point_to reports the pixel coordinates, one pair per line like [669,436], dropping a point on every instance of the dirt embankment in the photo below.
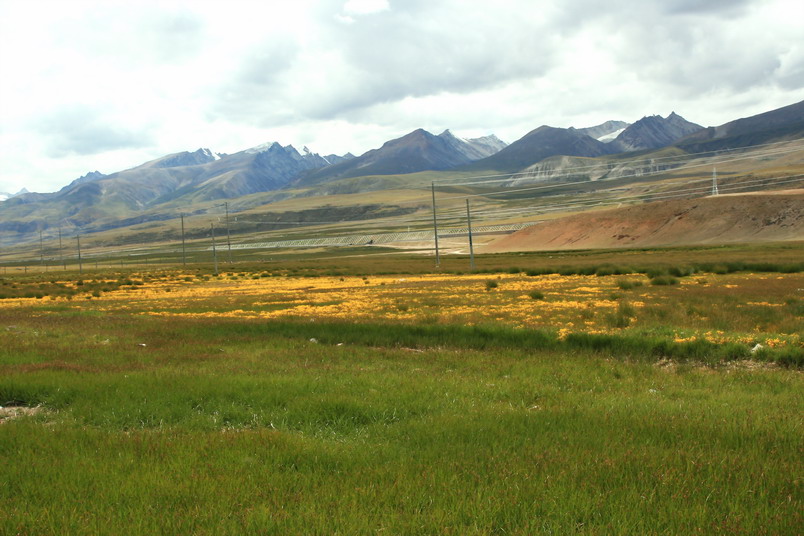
[724,219]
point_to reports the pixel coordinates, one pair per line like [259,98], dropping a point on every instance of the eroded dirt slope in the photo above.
[724,219]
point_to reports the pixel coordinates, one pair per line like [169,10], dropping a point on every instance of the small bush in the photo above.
[789,357]
[663,280]
[626,309]
[604,271]
[536,294]
[679,271]
[622,318]
[628,284]
[491,284]
[791,268]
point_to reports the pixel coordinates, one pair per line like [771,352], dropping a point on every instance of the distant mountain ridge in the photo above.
[179,178]
[417,151]
[654,132]
[186,178]
[201,156]
[783,123]
[539,144]
[195,180]
[605,131]
[6,195]
[651,132]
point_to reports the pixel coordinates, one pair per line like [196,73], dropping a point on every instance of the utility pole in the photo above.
[471,248]
[41,251]
[80,266]
[61,252]
[183,253]
[714,181]
[435,226]
[214,251]
[228,238]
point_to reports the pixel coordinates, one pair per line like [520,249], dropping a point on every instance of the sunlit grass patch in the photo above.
[238,426]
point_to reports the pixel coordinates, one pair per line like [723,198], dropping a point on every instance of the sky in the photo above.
[108,85]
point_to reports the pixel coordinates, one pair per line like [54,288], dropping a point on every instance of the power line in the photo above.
[444,212]
[556,184]
[684,192]
[686,157]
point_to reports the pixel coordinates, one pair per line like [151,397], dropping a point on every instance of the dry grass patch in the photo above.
[12,412]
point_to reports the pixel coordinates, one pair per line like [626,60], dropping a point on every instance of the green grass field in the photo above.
[142,424]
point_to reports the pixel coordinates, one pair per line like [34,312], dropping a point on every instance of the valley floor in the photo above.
[516,402]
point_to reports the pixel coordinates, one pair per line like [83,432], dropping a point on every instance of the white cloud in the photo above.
[106,85]
[365,7]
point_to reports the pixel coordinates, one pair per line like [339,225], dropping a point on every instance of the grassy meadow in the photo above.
[587,394]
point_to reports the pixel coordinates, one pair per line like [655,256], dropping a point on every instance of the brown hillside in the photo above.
[757,217]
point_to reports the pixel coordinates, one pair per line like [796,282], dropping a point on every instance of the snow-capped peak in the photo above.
[211,154]
[261,148]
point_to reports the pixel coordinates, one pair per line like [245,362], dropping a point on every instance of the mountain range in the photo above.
[194,181]
[6,195]
[417,151]
[653,132]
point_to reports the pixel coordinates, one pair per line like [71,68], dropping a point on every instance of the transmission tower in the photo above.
[714,181]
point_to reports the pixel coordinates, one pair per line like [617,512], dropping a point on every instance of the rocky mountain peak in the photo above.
[654,132]
[263,147]
[89,177]
[605,132]
[186,158]
[5,195]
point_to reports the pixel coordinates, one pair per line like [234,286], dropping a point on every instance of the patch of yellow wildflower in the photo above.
[566,304]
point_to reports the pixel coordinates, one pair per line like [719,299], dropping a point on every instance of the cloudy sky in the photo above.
[107,85]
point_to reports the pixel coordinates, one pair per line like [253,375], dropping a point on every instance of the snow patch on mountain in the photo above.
[186,158]
[605,132]
[261,148]
[611,136]
[213,155]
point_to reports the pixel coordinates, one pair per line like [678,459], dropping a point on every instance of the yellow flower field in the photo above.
[744,308]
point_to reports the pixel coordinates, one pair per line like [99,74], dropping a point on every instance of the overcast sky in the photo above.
[108,85]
